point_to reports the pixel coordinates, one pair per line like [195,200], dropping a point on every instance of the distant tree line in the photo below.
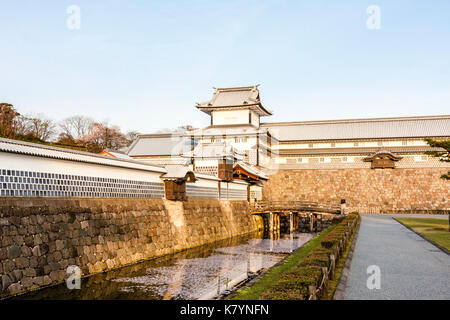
[76,132]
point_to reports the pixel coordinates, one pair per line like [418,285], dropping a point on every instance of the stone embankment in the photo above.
[399,190]
[40,237]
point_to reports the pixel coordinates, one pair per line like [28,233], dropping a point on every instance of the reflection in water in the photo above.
[199,273]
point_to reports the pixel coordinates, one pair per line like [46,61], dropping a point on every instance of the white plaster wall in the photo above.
[206,163]
[202,182]
[230,117]
[14,161]
[351,144]
[255,119]
[237,185]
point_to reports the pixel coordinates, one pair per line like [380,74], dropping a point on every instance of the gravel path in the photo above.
[410,267]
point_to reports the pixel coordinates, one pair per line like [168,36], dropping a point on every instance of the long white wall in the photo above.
[28,175]
[14,161]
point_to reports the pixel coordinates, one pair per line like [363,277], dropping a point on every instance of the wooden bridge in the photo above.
[259,207]
[273,211]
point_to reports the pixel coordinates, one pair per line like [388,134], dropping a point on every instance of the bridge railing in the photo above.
[268,205]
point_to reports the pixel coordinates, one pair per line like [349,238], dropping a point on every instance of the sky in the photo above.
[143,65]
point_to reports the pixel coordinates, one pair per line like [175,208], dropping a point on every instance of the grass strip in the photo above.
[434,229]
[333,284]
[272,276]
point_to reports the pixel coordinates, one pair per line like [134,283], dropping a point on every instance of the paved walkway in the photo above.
[411,267]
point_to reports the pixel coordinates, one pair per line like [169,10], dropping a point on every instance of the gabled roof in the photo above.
[44,151]
[162,144]
[178,172]
[383,153]
[235,98]
[116,154]
[375,128]
[214,151]
[250,169]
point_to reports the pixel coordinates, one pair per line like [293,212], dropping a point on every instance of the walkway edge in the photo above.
[342,285]
[423,237]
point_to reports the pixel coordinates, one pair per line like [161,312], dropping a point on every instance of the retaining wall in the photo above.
[41,237]
[399,190]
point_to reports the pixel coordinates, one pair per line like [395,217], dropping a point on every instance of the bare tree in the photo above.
[75,127]
[101,136]
[22,126]
[41,127]
[131,136]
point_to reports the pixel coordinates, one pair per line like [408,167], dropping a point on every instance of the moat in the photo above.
[199,273]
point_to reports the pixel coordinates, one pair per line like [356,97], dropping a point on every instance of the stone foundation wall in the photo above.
[399,190]
[41,237]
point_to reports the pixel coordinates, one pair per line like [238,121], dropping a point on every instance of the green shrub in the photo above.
[280,295]
[315,260]
[330,241]
[302,272]
[322,251]
[294,285]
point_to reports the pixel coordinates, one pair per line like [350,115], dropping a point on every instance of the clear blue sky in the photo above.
[143,64]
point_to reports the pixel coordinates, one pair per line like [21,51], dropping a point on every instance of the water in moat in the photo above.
[200,273]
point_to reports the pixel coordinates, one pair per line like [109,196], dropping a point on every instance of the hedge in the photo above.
[294,284]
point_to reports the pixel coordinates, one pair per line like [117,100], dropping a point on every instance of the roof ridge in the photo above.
[383,119]
[71,151]
[237,88]
[161,135]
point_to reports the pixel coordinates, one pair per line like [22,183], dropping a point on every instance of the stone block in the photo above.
[57,256]
[47,280]
[14,252]
[5,281]
[26,251]
[39,281]
[29,272]
[43,249]
[54,266]
[84,224]
[26,282]
[36,251]
[54,276]
[17,275]
[22,263]
[15,288]
[37,240]
[59,245]
[8,266]
[3,254]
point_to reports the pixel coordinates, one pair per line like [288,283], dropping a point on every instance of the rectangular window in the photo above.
[420,158]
